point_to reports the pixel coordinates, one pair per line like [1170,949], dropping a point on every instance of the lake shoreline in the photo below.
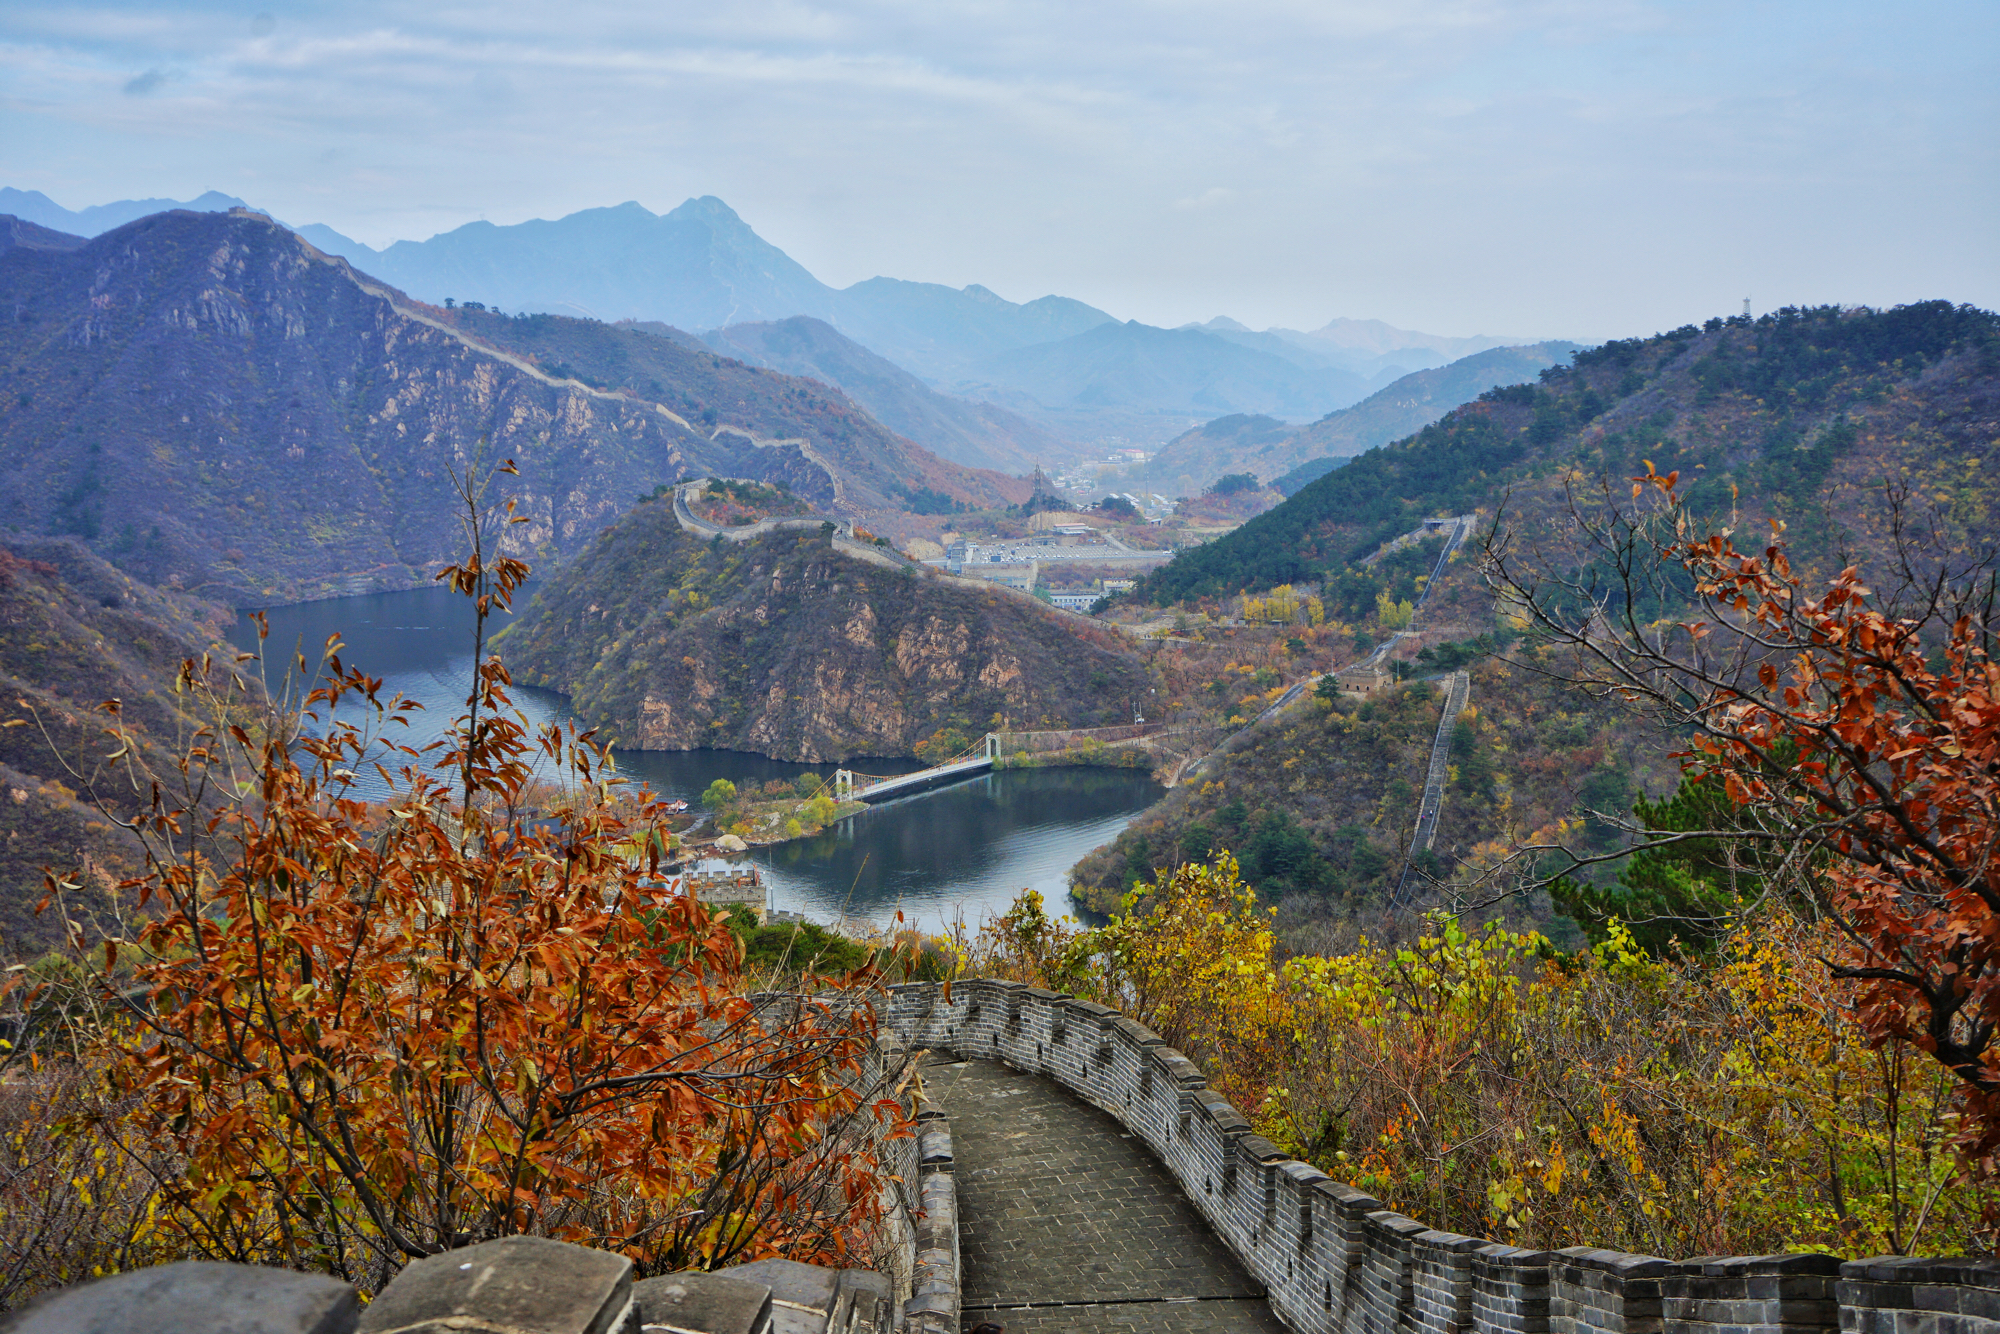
[966,849]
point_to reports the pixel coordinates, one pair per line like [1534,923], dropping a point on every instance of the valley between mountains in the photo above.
[205,412]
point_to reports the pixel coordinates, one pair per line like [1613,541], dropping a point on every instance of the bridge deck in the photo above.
[923,778]
[1067,1223]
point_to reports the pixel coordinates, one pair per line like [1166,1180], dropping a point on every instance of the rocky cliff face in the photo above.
[785,647]
[209,401]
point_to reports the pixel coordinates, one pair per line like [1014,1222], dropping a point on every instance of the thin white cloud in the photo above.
[1563,166]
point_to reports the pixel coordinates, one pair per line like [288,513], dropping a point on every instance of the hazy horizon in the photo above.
[1545,168]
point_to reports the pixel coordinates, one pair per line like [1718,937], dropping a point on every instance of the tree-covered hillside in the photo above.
[1802,413]
[74,632]
[1319,803]
[784,646]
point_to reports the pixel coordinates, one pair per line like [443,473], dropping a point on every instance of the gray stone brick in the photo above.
[712,1303]
[516,1285]
[194,1297]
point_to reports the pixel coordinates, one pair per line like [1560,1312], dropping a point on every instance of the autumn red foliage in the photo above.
[1894,765]
[1858,732]
[371,1031]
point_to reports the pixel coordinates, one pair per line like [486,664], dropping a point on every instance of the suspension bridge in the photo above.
[981,757]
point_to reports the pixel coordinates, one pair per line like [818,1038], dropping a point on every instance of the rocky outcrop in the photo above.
[213,404]
[785,646]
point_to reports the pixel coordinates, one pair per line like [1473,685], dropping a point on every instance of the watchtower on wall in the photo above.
[727,884]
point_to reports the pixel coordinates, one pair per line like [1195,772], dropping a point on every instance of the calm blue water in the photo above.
[964,851]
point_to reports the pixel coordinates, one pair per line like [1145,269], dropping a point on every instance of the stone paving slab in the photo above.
[1242,1316]
[1062,1210]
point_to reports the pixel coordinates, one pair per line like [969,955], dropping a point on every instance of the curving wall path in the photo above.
[1096,1184]
[1067,1223]
[1333,1260]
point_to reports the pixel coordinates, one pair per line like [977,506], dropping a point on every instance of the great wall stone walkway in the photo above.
[1067,1223]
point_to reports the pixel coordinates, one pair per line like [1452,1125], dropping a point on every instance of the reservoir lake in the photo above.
[959,852]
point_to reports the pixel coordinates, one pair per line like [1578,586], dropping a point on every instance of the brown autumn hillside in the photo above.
[786,647]
[75,632]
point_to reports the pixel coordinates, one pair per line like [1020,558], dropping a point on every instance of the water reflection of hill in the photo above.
[967,849]
[972,847]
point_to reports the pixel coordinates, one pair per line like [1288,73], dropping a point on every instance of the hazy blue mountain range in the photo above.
[1073,370]
[1377,340]
[980,435]
[702,267]
[1296,350]
[1370,348]
[1412,402]
[697,267]
[1135,365]
[36,207]
[942,333]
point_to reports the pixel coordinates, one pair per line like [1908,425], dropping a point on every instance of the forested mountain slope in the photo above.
[74,632]
[1801,414]
[783,646]
[205,399]
[1403,406]
[1319,803]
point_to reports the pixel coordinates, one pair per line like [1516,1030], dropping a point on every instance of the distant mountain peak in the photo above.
[36,207]
[708,208]
[213,201]
[1379,337]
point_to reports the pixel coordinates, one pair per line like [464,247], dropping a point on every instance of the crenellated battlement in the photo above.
[1335,1261]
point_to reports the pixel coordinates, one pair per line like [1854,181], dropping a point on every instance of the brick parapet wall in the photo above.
[936,1289]
[1334,1261]
[1894,1295]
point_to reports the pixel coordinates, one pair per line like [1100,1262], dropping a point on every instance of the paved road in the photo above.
[1067,1223]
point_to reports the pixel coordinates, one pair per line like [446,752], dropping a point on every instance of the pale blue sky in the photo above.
[1584,168]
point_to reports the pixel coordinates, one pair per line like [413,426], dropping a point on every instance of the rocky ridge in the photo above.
[211,403]
[785,646]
